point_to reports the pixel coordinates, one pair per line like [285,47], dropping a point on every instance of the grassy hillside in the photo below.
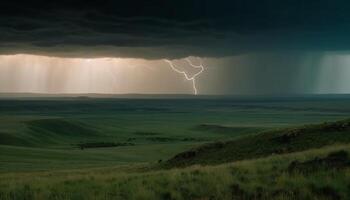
[265,144]
[308,162]
[120,131]
[314,174]
[61,127]
[44,132]
[120,149]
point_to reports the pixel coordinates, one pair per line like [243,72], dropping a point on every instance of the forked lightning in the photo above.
[189,78]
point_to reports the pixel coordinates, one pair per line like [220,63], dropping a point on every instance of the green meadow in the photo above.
[175,148]
[266,178]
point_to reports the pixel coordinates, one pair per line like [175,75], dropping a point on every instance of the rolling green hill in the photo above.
[46,132]
[266,143]
[131,149]
[61,127]
[305,162]
[313,174]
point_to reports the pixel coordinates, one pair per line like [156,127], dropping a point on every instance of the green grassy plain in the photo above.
[128,146]
[36,130]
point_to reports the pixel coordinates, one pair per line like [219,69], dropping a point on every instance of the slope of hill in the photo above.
[308,162]
[313,174]
[265,144]
[44,132]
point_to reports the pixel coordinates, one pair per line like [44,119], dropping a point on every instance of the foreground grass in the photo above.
[267,178]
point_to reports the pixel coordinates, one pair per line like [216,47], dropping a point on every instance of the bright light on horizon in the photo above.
[43,74]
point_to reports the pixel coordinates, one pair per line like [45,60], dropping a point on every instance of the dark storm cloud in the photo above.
[158,28]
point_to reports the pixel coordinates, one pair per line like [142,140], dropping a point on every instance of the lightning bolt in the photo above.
[189,78]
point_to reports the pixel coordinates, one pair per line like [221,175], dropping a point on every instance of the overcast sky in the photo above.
[248,46]
[159,29]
